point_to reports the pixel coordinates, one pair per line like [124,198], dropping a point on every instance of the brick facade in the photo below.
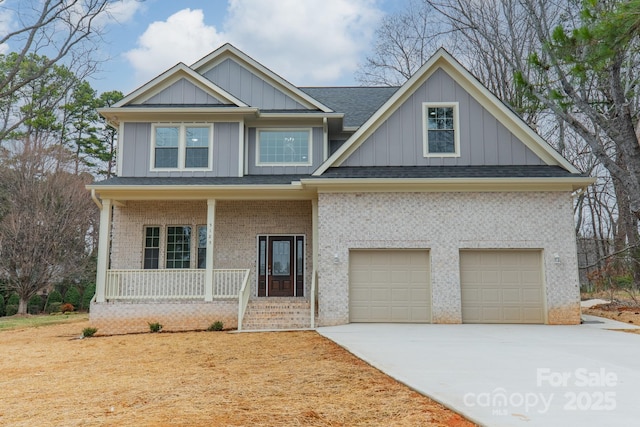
[445,223]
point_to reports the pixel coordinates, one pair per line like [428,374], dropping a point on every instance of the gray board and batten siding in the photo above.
[483,139]
[249,88]
[136,146]
[317,152]
[183,92]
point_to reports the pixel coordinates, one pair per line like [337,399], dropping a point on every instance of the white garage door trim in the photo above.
[389,285]
[502,286]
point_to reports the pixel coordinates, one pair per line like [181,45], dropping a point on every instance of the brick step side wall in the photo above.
[274,314]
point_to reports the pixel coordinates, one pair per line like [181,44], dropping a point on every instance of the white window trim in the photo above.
[425,130]
[310,148]
[182,147]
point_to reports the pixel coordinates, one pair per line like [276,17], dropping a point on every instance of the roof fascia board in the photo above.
[230,51]
[442,59]
[171,76]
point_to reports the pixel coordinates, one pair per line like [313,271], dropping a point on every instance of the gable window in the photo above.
[441,130]
[179,247]
[181,147]
[291,147]
[151,248]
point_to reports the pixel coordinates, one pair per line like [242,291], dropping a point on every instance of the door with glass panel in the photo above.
[280,266]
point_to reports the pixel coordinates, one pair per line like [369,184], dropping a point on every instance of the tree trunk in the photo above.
[22,306]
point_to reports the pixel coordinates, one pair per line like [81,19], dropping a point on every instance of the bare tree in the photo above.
[57,31]
[46,221]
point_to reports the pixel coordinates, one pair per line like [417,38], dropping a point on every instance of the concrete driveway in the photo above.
[510,375]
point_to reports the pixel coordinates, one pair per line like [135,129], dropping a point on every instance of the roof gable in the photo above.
[533,144]
[179,73]
[227,59]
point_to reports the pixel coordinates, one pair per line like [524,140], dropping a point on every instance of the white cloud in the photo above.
[122,11]
[306,42]
[183,37]
[6,17]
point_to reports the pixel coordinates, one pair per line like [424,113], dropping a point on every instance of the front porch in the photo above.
[159,258]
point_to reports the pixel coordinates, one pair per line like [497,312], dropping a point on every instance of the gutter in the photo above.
[95,198]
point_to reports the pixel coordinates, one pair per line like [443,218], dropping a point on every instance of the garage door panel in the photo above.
[396,289]
[501,286]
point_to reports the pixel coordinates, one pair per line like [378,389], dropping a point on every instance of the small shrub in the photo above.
[72,296]
[34,305]
[87,296]
[55,296]
[155,327]
[2,306]
[53,307]
[66,307]
[216,326]
[14,299]
[89,332]
[12,309]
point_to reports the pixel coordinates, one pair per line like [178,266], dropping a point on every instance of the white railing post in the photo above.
[104,242]
[209,276]
[243,298]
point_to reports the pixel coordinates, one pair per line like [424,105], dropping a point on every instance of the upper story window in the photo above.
[441,130]
[181,146]
[290,147]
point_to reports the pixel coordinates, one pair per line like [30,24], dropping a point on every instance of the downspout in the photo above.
[95,198]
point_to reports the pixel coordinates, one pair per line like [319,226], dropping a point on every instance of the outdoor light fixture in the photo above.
[556,258]
[336,259]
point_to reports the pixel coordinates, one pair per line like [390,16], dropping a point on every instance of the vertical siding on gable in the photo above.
[483,139]
[317,149]
[250,88]
[183,92]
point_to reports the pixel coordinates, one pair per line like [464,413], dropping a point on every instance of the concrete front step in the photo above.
[277,313]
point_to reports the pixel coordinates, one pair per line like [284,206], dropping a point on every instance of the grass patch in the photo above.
[23,322]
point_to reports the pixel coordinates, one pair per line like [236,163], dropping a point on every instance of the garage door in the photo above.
[389,286]
[501,286]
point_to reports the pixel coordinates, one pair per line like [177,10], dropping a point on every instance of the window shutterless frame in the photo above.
[440,120]
[284,147]
[181,147]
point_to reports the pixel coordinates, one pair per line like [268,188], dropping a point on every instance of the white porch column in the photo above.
[104,243]
[211,221]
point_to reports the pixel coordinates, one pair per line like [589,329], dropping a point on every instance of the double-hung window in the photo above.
[283,147]
[181,146]
[441,129]
[178,247]
[151,248]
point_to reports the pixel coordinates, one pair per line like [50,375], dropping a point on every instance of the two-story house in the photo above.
[243,198]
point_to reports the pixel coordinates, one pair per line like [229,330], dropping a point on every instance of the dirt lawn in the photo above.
[48,377]
[626,311]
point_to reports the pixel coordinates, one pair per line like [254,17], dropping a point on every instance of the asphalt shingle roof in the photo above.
[448,172]
[231,180]
[357,103]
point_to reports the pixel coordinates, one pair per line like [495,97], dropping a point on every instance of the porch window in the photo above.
[179,247]
[202,246]
[283,147]
[151,248]
[181,147]
[441,130]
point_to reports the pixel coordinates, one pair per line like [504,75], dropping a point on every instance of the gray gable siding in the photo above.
[136,145]
[483,139]
[317,151]
[251,89]
[183,92]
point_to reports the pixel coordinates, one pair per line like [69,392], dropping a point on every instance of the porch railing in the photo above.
[171,284]
[243,299]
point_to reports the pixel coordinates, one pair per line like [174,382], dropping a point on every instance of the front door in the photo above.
[280,266]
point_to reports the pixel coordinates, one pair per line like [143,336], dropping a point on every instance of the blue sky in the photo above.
[308,42]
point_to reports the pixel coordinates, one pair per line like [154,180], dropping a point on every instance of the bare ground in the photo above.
[50,377]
